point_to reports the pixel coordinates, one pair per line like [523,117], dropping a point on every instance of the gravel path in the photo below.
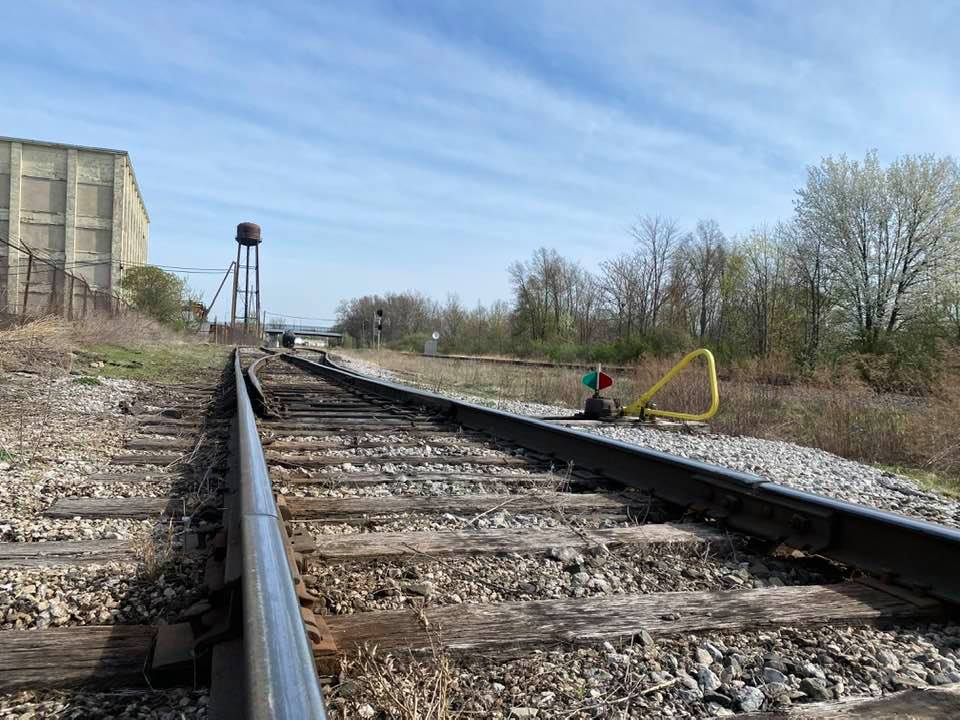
[804,468]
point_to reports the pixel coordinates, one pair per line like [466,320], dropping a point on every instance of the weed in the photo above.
[87,380]
[156,552]
[407,687]
[6,456]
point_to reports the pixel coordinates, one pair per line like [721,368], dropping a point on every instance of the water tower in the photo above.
[248,236]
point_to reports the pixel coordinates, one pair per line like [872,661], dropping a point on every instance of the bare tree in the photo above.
[657,238]
[621,290]
[705,256]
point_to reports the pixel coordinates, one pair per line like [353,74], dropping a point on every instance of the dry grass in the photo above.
[128,329]
[405,688]
[551,386]
[156,552]
[761,398]
[44,342]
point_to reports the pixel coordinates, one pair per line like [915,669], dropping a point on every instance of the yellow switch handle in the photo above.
[640,406]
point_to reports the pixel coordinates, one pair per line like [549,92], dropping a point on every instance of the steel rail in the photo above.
[911,553]
[281,681]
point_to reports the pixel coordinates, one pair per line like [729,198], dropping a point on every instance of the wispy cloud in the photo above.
[383,148]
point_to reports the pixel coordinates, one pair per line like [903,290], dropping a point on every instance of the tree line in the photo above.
[869,262]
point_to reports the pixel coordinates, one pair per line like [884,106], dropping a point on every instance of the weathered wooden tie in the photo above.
[133,477]
[160,444]
[66,552]
[310,446]
[334,460]
[354,479]
[501,627]
[370,546]
[102,655]
[149,459]
[352,509]
[135,508]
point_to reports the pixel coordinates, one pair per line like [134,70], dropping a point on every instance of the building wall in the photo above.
[78,207]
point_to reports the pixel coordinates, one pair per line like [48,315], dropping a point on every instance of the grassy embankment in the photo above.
[913,436]
[118,348]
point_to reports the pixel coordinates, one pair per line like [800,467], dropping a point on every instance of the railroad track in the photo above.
[393,547]
[430,526]
[144,566]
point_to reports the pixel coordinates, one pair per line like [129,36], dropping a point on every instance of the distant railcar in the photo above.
[289,338]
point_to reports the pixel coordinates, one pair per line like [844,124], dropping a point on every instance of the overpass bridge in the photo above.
[273,331]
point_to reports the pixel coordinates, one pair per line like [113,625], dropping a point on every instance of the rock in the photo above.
[750,699]
[903,681]
[715,652]
[815,689]
[702,656]
[707,679]
[717,699]
[776,662]
[645,639]
[424,589]
[776,691]
[565,555]
[524,712]
[771,675]
[366,711]
[887,660]
[690,695]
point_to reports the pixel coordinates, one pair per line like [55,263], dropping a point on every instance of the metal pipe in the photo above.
[281,676]
[233,300]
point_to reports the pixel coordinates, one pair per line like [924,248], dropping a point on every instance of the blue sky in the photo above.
[391,146]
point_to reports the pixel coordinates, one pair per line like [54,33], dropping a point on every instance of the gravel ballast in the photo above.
[803,468]
[173,704]
[91,595]
[351,587]
[695,676]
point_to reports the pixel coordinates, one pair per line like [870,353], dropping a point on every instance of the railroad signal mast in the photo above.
[378,325]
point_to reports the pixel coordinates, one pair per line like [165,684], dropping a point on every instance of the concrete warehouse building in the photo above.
[78,207]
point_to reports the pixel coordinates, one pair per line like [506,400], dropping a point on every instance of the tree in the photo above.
[705,254]
[764,269]
[156,293]
[621,290]
[884,232]
[657,238]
